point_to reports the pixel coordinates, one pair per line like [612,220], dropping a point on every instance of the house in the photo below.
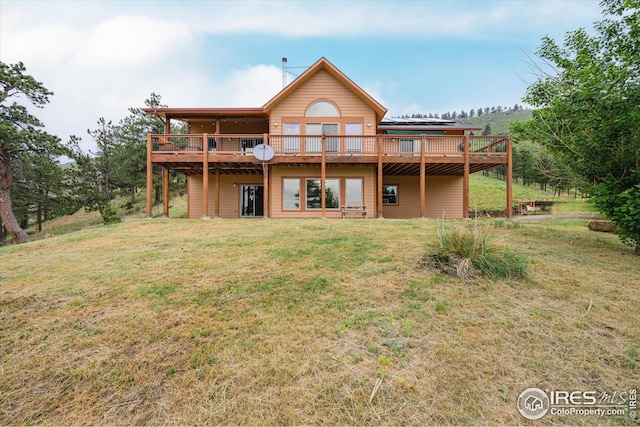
[334,155]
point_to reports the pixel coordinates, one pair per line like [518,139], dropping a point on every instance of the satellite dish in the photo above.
[263,152]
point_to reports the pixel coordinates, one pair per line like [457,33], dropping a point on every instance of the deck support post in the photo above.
[509,179]
[165,191]
[465,180]
[379,202]
[205,179]
[149,177]
[423,196]
[217,190]
[323,177]
[265,187]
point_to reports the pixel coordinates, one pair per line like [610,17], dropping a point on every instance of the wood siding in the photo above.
[443,193]
[367,173]
[444,197]
[229,195]
[322,86]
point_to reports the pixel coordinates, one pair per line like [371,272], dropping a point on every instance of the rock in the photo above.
[601,225]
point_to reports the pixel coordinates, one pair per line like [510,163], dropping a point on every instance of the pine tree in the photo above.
[20,132]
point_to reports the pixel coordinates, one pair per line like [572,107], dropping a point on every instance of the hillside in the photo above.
[486,192]
[499,122]
[269,322]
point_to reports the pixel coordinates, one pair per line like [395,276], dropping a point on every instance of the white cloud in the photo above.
[100,70]
[252,87]
[102,57]
[132,41]
[471,19]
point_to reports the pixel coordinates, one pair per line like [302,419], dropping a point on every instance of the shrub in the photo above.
[465,250]
[109,213]
[623,209]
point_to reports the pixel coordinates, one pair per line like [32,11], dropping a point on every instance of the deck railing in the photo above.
[335,145]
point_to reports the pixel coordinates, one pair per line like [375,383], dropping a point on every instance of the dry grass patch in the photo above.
[467,250]
[305,322]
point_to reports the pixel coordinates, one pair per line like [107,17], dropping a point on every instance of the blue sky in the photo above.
[101,57]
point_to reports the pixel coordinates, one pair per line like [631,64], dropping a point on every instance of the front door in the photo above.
[251,200]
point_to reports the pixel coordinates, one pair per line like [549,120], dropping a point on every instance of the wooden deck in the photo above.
[391,155]
[397,154]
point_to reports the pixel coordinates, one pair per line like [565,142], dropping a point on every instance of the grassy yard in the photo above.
[490,193]
[307,322]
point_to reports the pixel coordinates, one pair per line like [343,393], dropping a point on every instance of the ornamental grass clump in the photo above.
[465,250]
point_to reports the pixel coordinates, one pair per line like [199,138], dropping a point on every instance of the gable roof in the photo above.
[324,64]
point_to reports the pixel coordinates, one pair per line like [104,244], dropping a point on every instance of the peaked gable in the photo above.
[320,65]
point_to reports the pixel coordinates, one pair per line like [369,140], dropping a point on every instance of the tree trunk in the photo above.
[6,211]
[39,218]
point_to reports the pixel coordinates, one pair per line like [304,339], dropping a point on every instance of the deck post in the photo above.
[205,179]
[217,190]
[265,187]
[509,179]
[423,196]
[465,180]
[323,177]
[165,191]
[149,177]
[379,203]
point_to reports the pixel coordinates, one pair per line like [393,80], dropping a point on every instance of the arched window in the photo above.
[323,109]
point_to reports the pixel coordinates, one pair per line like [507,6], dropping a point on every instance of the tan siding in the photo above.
[444,196]
[322,86]
[408,197]
[443,193]
[277,173]
[194,191]
[230,195]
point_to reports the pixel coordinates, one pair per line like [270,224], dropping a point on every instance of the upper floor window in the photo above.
[323,109]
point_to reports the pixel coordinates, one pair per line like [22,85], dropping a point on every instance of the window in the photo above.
[389,194]
[326,129]
[322,109]
[314,191]
[409,145]
[291,144]
[353,190]
[313,145]
[353,144]
[291,194]
[332,191]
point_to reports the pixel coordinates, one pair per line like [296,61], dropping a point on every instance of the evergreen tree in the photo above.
[20,133]
[41,189]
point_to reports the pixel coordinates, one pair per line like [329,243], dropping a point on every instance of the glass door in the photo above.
[251,200]
[326,129]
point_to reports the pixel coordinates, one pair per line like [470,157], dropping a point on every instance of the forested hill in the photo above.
[498,122]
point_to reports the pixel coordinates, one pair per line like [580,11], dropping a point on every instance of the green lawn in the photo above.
[249,322]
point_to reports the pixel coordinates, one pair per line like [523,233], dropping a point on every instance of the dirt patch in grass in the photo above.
[306,322]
